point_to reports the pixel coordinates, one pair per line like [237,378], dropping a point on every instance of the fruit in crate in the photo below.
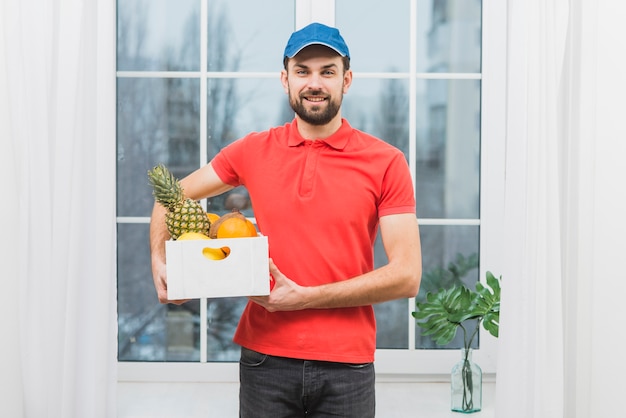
[232,225]
[212,216]
[216,253]
[190,236]
[183,214]
[208,252]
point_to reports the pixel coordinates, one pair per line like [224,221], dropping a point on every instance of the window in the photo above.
[440,11]
[194,75]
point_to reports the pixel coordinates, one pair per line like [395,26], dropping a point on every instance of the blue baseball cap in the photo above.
[316,34]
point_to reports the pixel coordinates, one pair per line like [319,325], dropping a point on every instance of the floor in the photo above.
[219,400]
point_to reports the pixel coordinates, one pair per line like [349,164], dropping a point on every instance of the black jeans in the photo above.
[278,387]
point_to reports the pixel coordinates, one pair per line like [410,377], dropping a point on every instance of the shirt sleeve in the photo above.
[397,192]
[227,160]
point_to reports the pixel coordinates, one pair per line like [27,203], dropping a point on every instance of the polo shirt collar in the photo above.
[338,140]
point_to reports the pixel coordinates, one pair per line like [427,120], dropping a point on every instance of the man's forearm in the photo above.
[381,285]
[158,233]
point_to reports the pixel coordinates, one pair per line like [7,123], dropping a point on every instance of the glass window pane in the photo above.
[380,107]
[377,33]
[248,35]
[157,122]
[222,319]
[444,247]
[158,35]
[148,330]
[238,106]
[448,148]
[237,198]
[391,324]
[449,36]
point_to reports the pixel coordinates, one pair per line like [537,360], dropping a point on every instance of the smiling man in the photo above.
[320,190]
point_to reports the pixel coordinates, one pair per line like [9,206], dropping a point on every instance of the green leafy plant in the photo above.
[448,276]
[447,310]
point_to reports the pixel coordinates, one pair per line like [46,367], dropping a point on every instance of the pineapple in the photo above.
[183,214]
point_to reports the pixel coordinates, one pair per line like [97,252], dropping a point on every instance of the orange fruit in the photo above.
[252,228]
[235,227]
[212,216]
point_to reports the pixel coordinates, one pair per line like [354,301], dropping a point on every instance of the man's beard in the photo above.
[315,116]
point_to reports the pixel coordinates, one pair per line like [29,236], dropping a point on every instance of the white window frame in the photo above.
[399,364]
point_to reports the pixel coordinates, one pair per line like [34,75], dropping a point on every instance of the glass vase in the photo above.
[466,383]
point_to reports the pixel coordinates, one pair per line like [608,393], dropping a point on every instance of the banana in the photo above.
[216,253]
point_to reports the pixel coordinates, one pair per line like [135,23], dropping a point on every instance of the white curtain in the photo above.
[531,343]
[559,354]
[58,209]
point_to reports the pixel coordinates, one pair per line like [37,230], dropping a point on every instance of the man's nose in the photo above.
[315,81]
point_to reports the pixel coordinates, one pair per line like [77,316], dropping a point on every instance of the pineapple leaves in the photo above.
[444,311]
[183,214]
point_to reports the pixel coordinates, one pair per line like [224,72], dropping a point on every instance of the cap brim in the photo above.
[296,52]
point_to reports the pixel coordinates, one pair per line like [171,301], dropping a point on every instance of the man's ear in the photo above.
[347,81]
[283,79]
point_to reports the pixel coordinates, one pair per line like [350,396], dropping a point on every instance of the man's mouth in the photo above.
[315,99]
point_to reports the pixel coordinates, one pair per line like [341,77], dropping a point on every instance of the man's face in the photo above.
[316,82]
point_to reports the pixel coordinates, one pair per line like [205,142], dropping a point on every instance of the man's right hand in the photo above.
[159,275]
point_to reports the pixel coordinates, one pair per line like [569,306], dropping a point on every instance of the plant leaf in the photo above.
[489,303]
[443,312]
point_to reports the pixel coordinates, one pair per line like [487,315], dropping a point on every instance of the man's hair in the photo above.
[345,60]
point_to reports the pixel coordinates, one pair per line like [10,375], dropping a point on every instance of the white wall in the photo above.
[609,250]
[10,387]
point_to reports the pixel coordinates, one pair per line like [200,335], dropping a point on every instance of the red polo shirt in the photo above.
[318,202]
